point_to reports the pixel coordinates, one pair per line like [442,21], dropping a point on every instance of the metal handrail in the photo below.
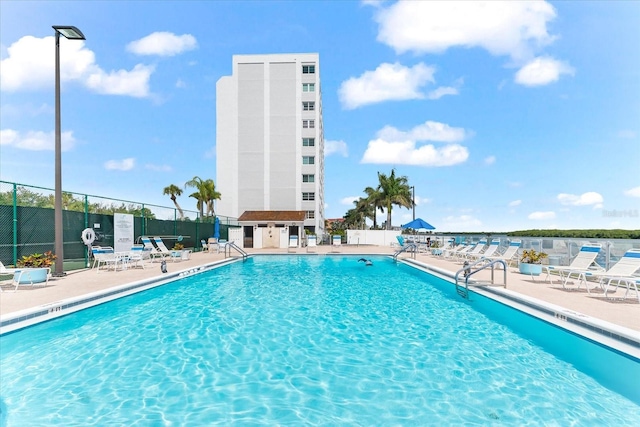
[232,245]
[404,249]
[468,272]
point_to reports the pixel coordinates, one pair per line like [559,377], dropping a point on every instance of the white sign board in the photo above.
[122,232]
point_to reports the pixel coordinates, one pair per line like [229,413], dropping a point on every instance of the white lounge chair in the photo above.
[312,243]
[477,249]
[489,251]
[29,276]
[213,245]
[584,261]
[106,256]
[293,243]
[166,252]
[336,243]
[137,256]
[154,253]
[620,274]
[509,255]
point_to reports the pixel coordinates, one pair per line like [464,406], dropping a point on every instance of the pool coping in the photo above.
[615,337]
[15,321]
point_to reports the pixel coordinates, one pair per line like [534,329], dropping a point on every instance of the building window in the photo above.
[308,106]
[308,197]
[308,69]
[310,215]
[308,142]
[308,178]
[308,124]
[308,160]
[308,87]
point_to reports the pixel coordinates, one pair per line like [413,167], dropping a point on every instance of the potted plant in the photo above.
[531,262]
[36,267]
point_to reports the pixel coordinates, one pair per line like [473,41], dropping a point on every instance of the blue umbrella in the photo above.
[216,228]
[419,223]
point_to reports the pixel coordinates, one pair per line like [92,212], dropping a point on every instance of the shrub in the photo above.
[37,260]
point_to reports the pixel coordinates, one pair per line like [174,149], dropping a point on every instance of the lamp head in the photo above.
[70,32]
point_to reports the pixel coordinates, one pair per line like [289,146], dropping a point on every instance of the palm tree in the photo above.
[205,195]
[199,195]
[374,198]
[395,191]
[172,191]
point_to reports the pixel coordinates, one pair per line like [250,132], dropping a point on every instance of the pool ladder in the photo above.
[469,271]
[406,248]
[232,245]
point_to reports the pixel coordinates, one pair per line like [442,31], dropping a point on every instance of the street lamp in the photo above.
[71,33]
[413,200]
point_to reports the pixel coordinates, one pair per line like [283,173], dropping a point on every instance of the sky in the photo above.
[502,115]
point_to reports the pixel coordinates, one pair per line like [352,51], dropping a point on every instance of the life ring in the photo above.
[88,236]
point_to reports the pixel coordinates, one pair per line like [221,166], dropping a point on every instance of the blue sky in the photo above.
[504,116]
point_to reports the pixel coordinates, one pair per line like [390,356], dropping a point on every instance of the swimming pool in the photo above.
[303,340]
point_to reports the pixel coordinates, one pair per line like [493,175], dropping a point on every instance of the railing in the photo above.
[232,245]
[405,248]
[468,272]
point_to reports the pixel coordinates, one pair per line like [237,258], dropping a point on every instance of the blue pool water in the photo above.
[300,341]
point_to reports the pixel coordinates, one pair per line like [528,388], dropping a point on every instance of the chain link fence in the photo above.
[27,223]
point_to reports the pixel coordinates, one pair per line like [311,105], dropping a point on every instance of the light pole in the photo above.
[71,33]
[413,200]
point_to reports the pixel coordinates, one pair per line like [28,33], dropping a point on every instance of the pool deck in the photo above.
[623,313]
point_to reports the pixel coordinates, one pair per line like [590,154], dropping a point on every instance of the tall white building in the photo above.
[269,137]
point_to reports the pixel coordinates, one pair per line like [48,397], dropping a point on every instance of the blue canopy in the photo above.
[216,228]
[419,223]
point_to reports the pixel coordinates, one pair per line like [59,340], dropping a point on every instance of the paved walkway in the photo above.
[622,313]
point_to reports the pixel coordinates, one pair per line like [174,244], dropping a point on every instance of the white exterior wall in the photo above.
[259,151]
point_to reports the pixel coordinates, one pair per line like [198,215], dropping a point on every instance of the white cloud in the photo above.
[30,66]
[406,153]
[542,71]
[515,203]
[542,215]
[163,43]
[122,165]
[180,84]
[633,192]
[490,160]
[429,131]
[349,200]
[585,199]
[132,83]
[157,168]
[442,91]
[389,82]
[339,147]
[513,28]
[394,146]
[36,140]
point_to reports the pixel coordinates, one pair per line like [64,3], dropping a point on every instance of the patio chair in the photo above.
[336,243]
[106,256]
[509,255]
[153,252]
[136,256]
[164,252]
[584,261]
[213,245]
[493,247]
[476,250]
[312,243]
[621,273]
[293,243]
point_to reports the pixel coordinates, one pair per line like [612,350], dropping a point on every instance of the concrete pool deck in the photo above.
[622,313]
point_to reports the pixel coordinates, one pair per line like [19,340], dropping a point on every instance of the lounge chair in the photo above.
[452,253]
[26,276]
[489,251]
[476,250]
[149,248]
[213,245]
[336,242]
[136,257]
[106,256]
[509,255]
[293,243]
[312,243]
[584,261]
[166,252]
[620,274]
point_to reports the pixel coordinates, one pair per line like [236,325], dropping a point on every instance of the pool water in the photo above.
[296,340]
